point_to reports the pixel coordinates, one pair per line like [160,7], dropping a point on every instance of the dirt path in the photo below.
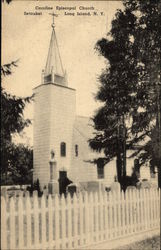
[149,244]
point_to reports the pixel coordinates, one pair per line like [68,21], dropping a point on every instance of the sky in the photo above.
[27,37]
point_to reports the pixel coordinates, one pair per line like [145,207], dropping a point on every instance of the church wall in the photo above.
[83,171]
[63,104]
[54,112]
[42,114]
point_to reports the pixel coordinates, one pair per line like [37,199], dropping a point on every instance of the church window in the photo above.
[100,169]
[76,150]
[63,149]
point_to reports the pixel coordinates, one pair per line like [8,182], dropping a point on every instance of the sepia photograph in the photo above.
[81,124]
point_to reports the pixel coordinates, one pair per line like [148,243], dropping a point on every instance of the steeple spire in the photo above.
[54,72]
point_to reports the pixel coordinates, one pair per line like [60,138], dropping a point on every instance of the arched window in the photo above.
[76,150]
[63,149]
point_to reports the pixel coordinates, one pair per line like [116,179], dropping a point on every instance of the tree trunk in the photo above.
[119,164]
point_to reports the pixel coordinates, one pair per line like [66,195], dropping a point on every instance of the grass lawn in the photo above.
[148,244]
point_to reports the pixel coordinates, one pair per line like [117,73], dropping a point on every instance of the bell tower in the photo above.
[54,71]
[54,115]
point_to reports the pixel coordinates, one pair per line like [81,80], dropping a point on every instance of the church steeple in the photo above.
[54,72]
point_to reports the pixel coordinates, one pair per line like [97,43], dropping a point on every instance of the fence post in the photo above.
[123,206]
[69,228]
[101,202]
[157,206]
[145,209]
[4,223]
[110,216]
[63,218]
[158,198]
[106,212]
[28,220]
[81,205]
[50,221]
[137,211]
[120,212]
[141,209]
[91,205]
[57,222]
[12,224]
[134,209]
[115,204]
[153,208]
[150,208]
[43,222]
[20,222]
[96,214]
[128,193]
[126,200]
[75,219]
[36,220]
[87,216]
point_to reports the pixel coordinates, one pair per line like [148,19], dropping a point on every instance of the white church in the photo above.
[58,128]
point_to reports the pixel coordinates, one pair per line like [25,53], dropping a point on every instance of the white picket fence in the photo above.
[66,223]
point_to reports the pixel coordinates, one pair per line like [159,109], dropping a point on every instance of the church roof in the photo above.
[54,63]
[54,72]
[84,126]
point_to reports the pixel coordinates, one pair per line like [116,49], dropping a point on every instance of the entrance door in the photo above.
[63,182]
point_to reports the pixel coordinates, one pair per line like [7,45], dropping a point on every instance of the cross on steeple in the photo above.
[54,15]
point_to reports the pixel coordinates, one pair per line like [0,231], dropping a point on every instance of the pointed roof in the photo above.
[54,62]
[54,69]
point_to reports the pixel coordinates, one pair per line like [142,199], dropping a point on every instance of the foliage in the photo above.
[16,160]
[6,69]
[7,1]
[129,86]
[12,114]
[19,164]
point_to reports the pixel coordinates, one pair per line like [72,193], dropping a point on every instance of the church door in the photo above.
[63,182]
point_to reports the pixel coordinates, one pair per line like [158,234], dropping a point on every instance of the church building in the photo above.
[58,128]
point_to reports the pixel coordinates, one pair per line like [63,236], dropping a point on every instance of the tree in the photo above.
[7,1]
[148,40]
[128,84]
[15,160]
[20,165]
